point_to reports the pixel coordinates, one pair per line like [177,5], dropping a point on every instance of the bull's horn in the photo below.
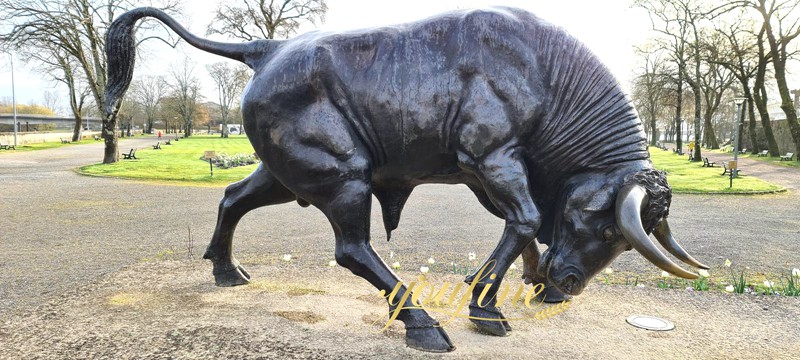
[664,236]
[630,200]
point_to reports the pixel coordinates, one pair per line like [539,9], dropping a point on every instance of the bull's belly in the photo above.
[416,170]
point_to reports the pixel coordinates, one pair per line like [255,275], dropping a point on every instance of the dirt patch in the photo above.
[307,317]
[177,312]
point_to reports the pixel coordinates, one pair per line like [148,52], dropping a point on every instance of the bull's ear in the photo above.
[600,200]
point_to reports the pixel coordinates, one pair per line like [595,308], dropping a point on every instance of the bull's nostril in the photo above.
[570,283]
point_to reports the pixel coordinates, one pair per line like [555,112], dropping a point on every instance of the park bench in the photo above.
[157,146]
[743,151]
[129,155]
[168,142]
[787,157]
[96,138]
[728,170]
[64,141]
[707,163]
[677,151]
[7,147]
[763,153]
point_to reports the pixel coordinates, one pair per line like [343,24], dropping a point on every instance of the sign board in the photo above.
[732,164]
[210,154]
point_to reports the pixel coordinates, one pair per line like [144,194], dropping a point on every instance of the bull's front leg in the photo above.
[505,179]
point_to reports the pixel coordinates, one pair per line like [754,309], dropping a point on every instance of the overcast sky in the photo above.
[609,27]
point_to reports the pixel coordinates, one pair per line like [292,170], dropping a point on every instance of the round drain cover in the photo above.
[650,323]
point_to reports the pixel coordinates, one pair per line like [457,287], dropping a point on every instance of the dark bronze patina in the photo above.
[500,100]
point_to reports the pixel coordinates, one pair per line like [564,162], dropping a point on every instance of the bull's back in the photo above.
[409,83]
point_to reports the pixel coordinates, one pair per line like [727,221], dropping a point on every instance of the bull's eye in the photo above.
[609,234]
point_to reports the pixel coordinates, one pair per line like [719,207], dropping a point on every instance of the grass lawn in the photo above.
[689,177]
[45,145]
[769,159]
[180,162]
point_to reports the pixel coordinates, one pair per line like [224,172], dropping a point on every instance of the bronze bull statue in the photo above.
[499,100]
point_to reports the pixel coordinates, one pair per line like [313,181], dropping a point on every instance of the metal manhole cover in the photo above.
[650,323]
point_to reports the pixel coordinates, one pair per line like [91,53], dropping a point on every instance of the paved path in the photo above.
[59,230]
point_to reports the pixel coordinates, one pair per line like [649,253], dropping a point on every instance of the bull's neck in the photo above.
[590,122]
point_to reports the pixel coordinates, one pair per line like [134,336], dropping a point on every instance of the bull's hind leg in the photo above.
[257,190]
[328,168]
[345,198]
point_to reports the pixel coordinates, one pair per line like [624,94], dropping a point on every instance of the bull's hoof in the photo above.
[429,338]
[233,277]
[552,295]
[489,320]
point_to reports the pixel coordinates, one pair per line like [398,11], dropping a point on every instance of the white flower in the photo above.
[472,256]
[287,257]
[391,255]
[424,269]
[729,288]
[332,263]
[640,285]
[608,270]
[396,265]
[796,273]
[512,267]
[703,273]
[665,274]
[727,263]
[768,283]
[431,261]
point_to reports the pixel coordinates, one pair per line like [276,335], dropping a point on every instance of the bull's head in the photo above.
[599,217]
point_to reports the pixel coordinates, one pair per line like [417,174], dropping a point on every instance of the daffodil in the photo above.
[332,263]
[512,267]
[424,269]
[703,273]
[608,270]
[396,265]
[796,273]
[727,263]
[665,274]
[287,257]
[472,256]
[729,288]
[768,283]
[431,261]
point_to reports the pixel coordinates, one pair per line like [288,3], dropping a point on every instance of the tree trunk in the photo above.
[111,151]
[755,148]
[787,104]
[76,132]
[678,108]
[709,136]
[653,131]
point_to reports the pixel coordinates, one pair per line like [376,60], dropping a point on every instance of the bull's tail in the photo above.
[121,51]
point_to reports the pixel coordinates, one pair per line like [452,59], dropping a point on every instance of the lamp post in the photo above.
[13,98]
[734,168]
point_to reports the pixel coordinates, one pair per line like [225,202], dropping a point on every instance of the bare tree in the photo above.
[185,87]
[675,33]
[649,88]
[230,80]
[714,81]
[50,100]
[781,26]
[261,19]
[147,92]
[75,29]
[740,54]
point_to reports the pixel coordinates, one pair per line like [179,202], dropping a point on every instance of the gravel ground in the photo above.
[71,242]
